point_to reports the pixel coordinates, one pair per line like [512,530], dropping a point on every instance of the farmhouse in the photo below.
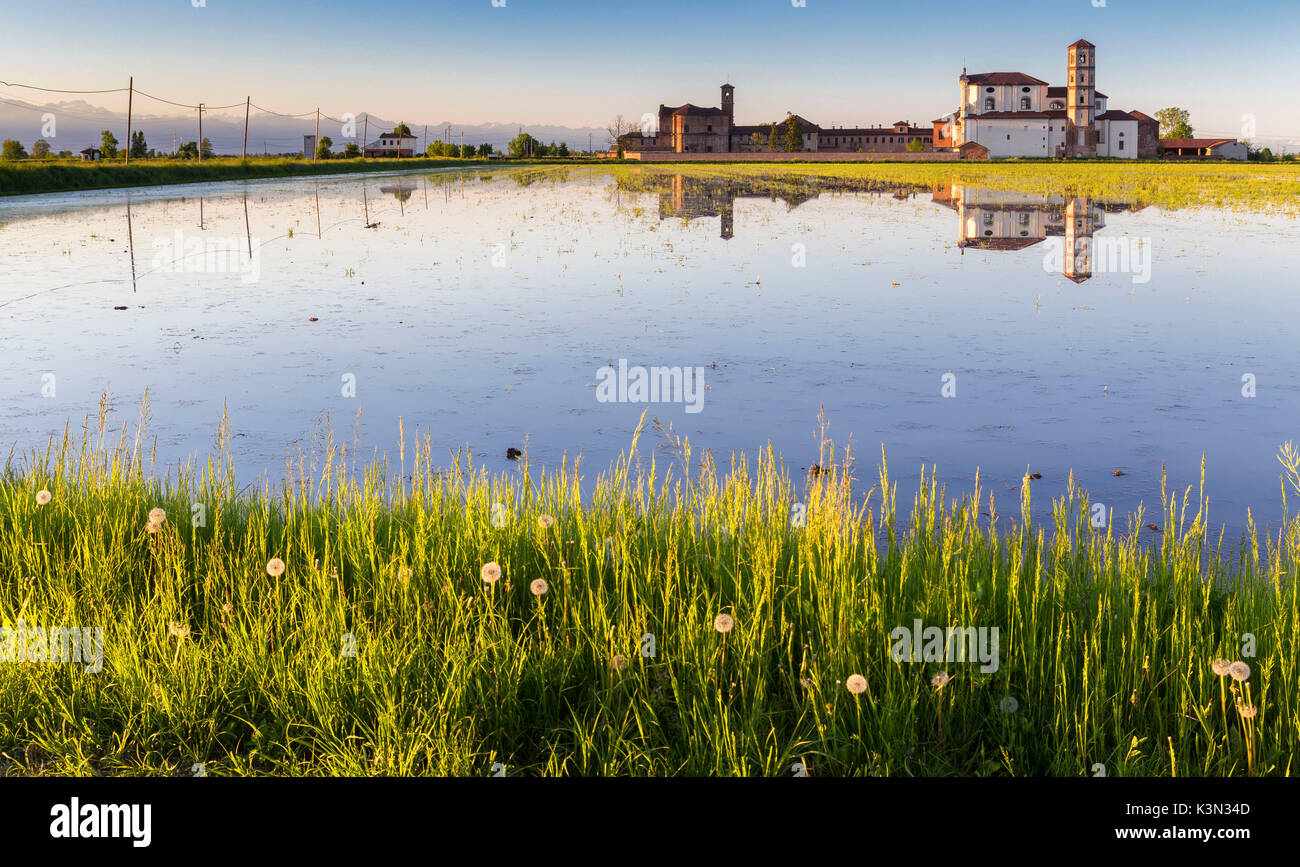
[1203,148]
[1017,115]
[392,144]
[92,154]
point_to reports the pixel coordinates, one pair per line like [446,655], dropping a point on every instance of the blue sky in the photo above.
[578,63]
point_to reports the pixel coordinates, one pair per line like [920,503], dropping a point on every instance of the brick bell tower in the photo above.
[1081,101]
[729,109]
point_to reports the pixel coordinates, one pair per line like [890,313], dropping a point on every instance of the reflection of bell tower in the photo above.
[1078,239]
[728,212]
[1080,107]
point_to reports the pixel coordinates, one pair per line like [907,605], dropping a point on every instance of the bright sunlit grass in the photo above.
[387,619]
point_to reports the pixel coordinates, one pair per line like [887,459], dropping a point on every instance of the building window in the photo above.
[710,127]
[988,104]
[1024,103]
[1121,144]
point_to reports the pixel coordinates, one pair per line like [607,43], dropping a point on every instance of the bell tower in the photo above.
[1081,101]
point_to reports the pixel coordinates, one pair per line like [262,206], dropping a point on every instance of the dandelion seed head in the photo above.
[856,684]
[546,522]
[620,662]
[1247,711]
[723,623]
[1220,667]
[1239,671]
[1009,705]
[275,567]
[178,629]
[940,680]
[490,572]
[43,498]
[157,515]
[538,587]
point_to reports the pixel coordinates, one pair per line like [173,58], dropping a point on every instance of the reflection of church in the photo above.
[1001,220]
[690,197]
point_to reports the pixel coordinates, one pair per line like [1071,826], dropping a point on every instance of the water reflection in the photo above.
[483,314]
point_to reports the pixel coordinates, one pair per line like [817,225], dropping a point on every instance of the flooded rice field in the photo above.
[546,310]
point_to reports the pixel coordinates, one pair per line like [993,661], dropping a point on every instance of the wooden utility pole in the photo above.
[129,100]
[200,132]
[426,139]
[248,101]
[365,135]
[315,142]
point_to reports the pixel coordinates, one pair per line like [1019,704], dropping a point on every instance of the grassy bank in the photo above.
[28,177]
[381,649]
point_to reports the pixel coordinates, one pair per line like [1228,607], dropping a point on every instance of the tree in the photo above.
[40,149]
[65,155]
[12,149]
[207,149]
[323,147]
[485,150]
[915,146]
[771,137]
[756,141]
[139,150]
[108,144]
[1174,123]
[564,150]
[467,151]
[619,127]
[435,150]
[524,145]
[351,151]
[188,151]
[793,133]
[401,129]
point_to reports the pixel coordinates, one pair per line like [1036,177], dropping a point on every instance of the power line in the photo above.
[54,90]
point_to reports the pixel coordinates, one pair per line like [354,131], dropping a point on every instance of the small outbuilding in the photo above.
[1203,148]
[91,155]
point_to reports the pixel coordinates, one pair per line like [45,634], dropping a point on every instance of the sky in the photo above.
[579,63]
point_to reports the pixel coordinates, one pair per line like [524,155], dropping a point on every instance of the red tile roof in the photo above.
[1194,142]
[1003,78]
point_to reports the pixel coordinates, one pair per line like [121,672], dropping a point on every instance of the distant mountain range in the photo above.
[78,124]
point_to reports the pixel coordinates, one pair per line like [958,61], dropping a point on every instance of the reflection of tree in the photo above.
[402,191]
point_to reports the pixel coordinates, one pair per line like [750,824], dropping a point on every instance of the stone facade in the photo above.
[692,129]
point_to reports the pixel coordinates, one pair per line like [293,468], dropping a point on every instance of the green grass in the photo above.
[1106,643]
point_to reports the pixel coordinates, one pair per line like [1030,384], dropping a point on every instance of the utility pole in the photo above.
[426,139]
[248,101]
[129,100]
[365,135]
[462,143]
[200,132]
[315,142]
